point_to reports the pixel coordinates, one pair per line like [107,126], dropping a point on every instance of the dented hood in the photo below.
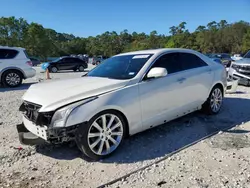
[54,94]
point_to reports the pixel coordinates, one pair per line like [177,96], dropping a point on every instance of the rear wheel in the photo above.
[214,101]
[81,68]
[12,78]
[102,135]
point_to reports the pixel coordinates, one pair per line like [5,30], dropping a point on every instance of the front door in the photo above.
[65,63]
[162,98]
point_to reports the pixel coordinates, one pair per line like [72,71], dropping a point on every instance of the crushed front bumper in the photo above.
[26,137]
[32,134]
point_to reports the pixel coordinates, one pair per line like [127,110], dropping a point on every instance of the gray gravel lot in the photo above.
[222,160]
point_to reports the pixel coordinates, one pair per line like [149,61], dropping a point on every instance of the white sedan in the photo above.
[126,94]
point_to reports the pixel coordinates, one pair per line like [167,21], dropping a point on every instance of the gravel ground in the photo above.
[221,160]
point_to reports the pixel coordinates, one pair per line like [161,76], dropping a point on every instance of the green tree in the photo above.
[246,41]
[44,42]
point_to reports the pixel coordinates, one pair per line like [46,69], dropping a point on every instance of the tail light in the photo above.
[29,63]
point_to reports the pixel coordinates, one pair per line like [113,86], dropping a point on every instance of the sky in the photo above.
[92,17]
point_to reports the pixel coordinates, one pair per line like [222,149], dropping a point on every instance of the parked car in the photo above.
[35,61]
[241,70]
[67,63]
[214,57]
[83,57]
[236,57]
[225,58]
[98,60]
[126,94]
[15,66]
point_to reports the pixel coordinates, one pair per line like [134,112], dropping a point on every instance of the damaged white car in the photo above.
[126,94]
[240,70]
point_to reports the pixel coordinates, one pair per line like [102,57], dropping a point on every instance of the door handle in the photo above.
[209,71]
[181,80]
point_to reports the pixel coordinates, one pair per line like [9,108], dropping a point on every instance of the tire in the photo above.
[12,78]
[94,142]
[98,63]
[214,102]
[81,68]
[54,69]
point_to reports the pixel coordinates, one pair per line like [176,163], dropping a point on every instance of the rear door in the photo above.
[74,63]
[77,62]
[198,79]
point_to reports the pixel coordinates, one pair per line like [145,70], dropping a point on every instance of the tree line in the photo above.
[43,42]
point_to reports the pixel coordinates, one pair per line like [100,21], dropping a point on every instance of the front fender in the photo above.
[125,100]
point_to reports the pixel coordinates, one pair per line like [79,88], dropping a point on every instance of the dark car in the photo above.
[225,58]
[35,61]
[67,63]
[214,57]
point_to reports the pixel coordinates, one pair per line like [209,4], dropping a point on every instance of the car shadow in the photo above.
[24,86]
[165,139]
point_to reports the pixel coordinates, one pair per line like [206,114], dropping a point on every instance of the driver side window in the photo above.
[169,62]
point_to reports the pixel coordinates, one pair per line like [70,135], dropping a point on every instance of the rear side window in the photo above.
[74,60]
[65,60]
[8,53]
[190,61]
[169,62]
[26,54]
[79,60]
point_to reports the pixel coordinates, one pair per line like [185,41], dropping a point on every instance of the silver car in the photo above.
[240,69]
[126,94]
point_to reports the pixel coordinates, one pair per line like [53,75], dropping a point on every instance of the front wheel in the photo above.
[214,101]
[102,135]
[54,69]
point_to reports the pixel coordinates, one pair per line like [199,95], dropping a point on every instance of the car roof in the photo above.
[157,51]
[12,48]
[69,57]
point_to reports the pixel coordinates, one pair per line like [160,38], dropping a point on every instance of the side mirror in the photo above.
[157,72]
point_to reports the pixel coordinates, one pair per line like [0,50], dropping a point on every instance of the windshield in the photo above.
[247,54]
[120,67]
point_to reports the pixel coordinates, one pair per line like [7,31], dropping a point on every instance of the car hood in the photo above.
[244,61]
[54,94]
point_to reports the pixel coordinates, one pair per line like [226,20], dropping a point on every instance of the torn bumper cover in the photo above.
[26,137]
[32,134]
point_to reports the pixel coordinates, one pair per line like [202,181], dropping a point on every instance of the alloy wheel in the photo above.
[216,100]
[105,134]
[12,79]
[54,69]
